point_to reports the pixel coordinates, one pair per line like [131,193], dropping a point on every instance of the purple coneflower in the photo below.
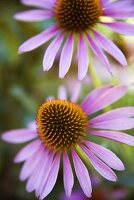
[72,18]
[62,130]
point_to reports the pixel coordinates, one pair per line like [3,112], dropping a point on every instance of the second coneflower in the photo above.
[80,18]
[61,130]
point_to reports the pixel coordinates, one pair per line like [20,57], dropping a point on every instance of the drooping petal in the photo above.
[40,3]
[106,156]
[83,58]
[118,124]
[29,165]
[82,175]
[115,136]
[40,183]
[110,47]
[37,40]
[52,177]
[93,95]
[51,52]
[27,151]
[33,179]
[66,56]
[101,167]
[62,93]
[19,135]
[33,15]
[105,99]
[99,53]
[121,27]
[68,175]
[124,112]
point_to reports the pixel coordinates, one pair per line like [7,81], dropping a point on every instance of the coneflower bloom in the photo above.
[62,131]
[72,18]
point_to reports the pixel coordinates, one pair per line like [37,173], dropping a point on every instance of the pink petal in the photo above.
[33,179]
[104,3]
[106,156]
[33,15]
[99,53]
[68,175]
[124,112]
[44,172]
[101,167]
[29,166]
[115,13]
[105,99]
[38,40]
[51,52]
[110,47]
[66,56]
[93,95]
[83,58]
[118,8]
[27,151]
[118,4]
[82,175]
[39,3]
[115,136]
[52,177]
[118,124]
[19,135]
[121,27]
[62,93]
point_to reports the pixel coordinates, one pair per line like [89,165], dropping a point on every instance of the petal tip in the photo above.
[6,137]
[16,160]
[20,51]
[80,77]
[114,179]
[125,64]
[68,194]
[3,137]
[15,17]
[61,76]
[123,168]
[45,68]
[89,195]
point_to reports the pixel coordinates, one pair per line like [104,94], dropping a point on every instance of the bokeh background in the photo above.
[24,86]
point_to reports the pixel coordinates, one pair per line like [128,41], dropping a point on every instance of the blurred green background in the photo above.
[24,86]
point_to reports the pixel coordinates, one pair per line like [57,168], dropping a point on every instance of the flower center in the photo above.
[77,15]
[61,124]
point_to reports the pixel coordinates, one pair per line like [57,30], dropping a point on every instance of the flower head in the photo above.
[62,130]
[72,18]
